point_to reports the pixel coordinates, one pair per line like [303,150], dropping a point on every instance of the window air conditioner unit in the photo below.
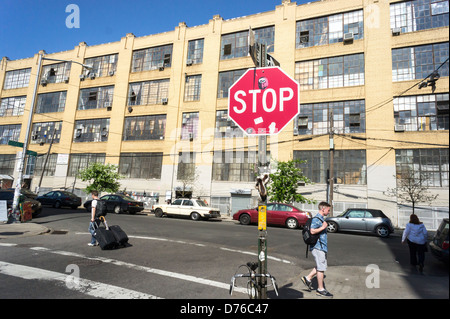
[164,101]
[82,77]
[111,73]
[189,62]
[44,81]
[92,75]
[348,37]
[396,31]
[399,128]
[66,79]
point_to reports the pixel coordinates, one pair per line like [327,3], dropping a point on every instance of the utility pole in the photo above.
[15,206]
[46,159]
[331,169]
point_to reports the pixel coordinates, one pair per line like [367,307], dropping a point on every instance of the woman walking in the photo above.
[416,236]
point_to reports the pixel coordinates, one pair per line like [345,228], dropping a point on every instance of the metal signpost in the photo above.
[262,102]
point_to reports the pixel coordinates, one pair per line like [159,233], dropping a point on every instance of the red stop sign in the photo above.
[263,101]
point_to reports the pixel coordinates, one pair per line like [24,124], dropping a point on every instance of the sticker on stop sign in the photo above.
[263,101]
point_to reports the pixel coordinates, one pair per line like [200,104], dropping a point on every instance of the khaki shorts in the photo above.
[321,259]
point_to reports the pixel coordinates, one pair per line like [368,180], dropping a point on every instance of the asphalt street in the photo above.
[178,258]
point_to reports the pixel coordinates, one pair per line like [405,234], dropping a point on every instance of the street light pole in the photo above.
[15,206]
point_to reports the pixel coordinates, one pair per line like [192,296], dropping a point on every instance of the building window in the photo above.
[51,102]
[433,164]
[141,165]
[152,58]
[46,132]
[330,29]
[226,79]
[12,106]
[92,130]
[56,73]
[189,126]
[79,162]
[150,92]
[192,88]
[238,166]
[418,62]
[418,15]
[225,126]
[149,127]
[195,51]
[7,163]
[9,132]
[342,71]
[102,66]
[186,166]
[50,167]
[96,98]
[348,117]
[422,112]
[17,79]
[235,45]
[349,166]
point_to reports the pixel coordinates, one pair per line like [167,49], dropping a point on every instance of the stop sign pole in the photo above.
[262,102]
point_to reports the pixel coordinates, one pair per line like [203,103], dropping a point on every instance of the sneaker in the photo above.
[307,282]
[324,293]
[92,245]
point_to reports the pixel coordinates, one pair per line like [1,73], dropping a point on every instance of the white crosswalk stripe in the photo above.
[89,287]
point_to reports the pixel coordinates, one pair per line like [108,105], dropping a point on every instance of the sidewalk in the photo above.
[21,230]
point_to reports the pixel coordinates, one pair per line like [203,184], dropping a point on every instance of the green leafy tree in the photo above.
[101,177]
[284,182]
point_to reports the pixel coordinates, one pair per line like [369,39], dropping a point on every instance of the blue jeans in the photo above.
[92,228]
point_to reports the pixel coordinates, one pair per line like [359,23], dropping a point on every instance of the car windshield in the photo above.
[128,198]
[201,203]
[341,214]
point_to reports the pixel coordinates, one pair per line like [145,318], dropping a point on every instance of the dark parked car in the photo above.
[8,195]
[26,192]
[361,220]
[59,199]
[118,203]
[277,214]
[439,244]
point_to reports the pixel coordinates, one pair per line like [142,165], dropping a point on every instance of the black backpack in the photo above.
[100,210]
[309,239]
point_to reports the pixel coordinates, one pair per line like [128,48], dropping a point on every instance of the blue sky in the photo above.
[27,26]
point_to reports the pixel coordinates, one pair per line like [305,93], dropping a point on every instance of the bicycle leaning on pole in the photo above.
[253,287]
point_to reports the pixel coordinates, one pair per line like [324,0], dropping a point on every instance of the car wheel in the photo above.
[158,212]
[37,212]
[332,227]
[195,216]
[117,209]
[57,204]
[245,219]
[291,223]
[382,231]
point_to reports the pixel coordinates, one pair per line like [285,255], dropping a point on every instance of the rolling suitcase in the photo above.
[119,234]
[105,238]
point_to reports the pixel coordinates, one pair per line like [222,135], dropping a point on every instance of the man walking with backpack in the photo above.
[92,225]
[319,250]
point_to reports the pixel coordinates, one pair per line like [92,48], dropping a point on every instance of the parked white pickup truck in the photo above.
[194,208]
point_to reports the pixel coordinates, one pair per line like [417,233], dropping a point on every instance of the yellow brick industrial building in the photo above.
[156,106]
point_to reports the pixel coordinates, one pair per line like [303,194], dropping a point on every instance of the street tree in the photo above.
[412,187]
[101,177]
[284,183]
